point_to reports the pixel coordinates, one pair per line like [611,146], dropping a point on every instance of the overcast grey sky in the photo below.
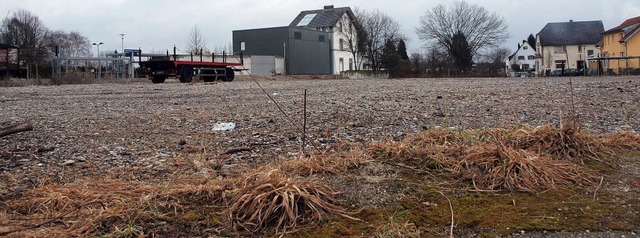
[156,25]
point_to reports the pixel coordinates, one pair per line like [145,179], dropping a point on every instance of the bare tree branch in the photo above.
[378,28]
[195,42]
[481,28]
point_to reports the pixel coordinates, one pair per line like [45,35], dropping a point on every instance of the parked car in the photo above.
[524,74]
[567,72]
[556,73]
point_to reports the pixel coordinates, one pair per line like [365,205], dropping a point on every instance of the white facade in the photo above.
[345,39]
[524,58]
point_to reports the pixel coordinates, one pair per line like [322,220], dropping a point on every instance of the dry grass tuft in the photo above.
[273,199]
[332,162]
[569,142]
[522,158]
[108,206]
[621,140]
[500,167]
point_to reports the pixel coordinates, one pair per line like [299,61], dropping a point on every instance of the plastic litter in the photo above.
[224,126]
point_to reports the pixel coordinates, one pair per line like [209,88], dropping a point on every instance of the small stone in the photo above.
[68,162]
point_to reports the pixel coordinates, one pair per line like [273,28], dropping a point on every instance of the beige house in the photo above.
[567,45]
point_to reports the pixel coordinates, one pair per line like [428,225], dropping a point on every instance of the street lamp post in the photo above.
[99,62]
[122,52]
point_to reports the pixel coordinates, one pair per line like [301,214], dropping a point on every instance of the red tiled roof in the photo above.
[628,22]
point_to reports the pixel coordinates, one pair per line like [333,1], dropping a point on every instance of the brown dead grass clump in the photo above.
[621,140]
[331,162]
[569,142]
[522,158]
[500,167]
[106,206]
[274,199]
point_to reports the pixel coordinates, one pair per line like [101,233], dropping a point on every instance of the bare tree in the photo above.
[72,44]
[195,43]
[480,28]
[27,31]
[495,55]
[378,28]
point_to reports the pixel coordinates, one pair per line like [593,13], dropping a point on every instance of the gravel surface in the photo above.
[143,125]
[87,130]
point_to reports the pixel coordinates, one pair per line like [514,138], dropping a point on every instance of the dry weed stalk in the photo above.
[274,199]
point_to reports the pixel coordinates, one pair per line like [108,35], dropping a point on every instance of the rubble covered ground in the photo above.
[140,131]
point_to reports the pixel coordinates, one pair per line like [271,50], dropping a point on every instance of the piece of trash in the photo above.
[224,126]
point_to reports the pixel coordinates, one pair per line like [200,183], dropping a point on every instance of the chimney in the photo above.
[327,7]
[571,20]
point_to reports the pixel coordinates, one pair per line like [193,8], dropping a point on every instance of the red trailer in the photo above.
[159,68]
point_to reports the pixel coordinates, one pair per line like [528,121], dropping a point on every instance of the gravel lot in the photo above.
[91,130]
[142,125]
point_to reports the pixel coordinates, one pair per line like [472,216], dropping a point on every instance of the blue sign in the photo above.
[131,52]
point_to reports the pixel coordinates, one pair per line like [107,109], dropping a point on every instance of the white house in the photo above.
[523,60]
[342,25]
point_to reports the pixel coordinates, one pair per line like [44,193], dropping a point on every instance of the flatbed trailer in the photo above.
[159,68]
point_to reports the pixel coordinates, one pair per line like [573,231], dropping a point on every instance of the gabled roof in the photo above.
[631,34]
[571,33]
[327,17]
[524,43]
[629,22]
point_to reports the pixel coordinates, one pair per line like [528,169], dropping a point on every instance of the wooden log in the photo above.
[13,129]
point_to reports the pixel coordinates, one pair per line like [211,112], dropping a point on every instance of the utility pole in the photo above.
[122,52]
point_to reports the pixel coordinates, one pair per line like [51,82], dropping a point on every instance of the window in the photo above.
[525,66]
[321,38]
[559,49]
[341,44]
[579,48]
[531,57]
[560,64]
[297,35]
[341,67]
[621,54]
[590,53]
[521,57]
[525,47]
[306,19]
[350,64]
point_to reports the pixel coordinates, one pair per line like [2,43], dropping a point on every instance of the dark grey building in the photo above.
[305,51]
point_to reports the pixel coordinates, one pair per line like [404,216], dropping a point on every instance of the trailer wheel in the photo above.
[158,79]
[229,75]
[187,74]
